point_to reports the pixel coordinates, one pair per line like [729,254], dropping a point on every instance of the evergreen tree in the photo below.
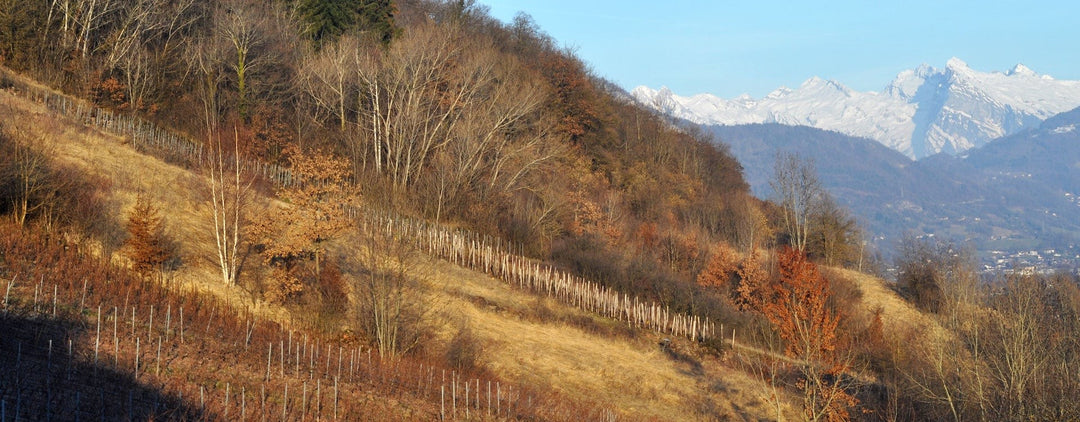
[326,20]
[377,17]
[146,243]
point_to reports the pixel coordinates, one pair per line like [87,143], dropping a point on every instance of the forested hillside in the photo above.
[397,210]
[438,110]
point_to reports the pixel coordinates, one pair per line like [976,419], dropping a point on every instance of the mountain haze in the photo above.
[922,112]
[1048,155]
[1015,193]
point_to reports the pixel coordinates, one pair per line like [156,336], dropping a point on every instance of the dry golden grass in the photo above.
[632,375]
[900,316]
[176,191]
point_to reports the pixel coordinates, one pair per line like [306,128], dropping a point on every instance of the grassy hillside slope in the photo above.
[526,340]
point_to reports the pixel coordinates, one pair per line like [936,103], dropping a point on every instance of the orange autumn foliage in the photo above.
[574,97]
[648,235]
[316,214]
[741,280]
[721,268]
[591,219]
[752,276]
[146,243]
[796,306]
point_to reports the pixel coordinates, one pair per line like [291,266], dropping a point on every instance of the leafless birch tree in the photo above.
[229,196]
[796,186]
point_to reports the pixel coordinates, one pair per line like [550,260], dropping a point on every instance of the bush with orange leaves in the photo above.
[796,305]
[721,269]
[313,215]
[740,279]
[752,276]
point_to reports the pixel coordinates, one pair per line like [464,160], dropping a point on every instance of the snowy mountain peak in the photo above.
[907,83]
[922,112]
[819,84]
[1020,69]
[922,71]
[957,65]
[779,93]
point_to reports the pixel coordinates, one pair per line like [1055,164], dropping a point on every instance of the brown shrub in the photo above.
[465,350]
[146,243]
[721,269]
[752,278]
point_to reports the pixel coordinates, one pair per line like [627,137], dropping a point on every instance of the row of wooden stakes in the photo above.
[493,258]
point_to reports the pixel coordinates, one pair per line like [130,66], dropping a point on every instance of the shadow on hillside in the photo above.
[37,383]
[689,365]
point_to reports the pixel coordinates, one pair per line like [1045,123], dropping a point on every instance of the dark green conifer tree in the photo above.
[377,18]
[326,20]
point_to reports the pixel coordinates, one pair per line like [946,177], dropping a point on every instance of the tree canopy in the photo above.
[327,20]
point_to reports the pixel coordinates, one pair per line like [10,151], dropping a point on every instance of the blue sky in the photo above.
[754,46]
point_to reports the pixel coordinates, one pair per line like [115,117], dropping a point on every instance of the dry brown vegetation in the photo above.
[164,346]
[524,340]
[596,261]
[482,325]
[532,341]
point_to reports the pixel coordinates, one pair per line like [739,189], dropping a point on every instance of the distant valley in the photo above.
[1014,199]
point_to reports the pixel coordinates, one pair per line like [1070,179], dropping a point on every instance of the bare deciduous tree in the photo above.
[411,99]
[80,22]
[144,41]
[242,25]
[438,100]
[752,229]
[390,306]
[229,196]
[328,78]
[798,191]
[139,19]
[835,234]
[29,168]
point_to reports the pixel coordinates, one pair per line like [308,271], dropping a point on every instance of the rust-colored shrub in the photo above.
[721,269]
[146,243]
[752,278]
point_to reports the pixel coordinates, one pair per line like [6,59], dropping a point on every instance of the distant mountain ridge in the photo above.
[922,112]
[1016,193]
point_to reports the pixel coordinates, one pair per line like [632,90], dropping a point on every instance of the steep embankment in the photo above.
[526,340]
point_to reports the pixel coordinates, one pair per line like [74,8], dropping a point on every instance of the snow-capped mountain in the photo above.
[922,112]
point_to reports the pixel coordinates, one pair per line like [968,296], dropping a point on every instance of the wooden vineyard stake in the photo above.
[137,357]
[168,316]
[97,337]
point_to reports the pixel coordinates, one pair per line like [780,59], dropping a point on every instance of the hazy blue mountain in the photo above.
[1048,155]
[1000,197]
